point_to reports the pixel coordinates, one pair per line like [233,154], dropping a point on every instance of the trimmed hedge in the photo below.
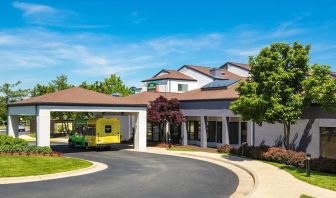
[8,140]
[280,155]
[16,146]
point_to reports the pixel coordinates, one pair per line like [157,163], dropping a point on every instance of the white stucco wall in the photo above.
[201,78]
[174,85]
[237,70]
[305,134]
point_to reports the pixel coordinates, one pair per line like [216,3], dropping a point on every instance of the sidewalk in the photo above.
[270,181]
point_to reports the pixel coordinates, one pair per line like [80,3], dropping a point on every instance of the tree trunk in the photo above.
[286,134]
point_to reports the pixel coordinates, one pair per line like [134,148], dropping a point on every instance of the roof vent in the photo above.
[215,72]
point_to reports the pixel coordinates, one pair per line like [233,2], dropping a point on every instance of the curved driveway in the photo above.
[134,174]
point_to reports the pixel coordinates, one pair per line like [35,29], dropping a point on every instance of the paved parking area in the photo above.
[134,174]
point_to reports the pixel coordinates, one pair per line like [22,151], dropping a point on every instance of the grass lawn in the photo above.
[14,166]
[324,180]
[181,149]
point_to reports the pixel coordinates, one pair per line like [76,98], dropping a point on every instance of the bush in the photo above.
[26,149]
[10,145]
[280,155]
[324,165]
[8,140]
[284,156]
[225,148]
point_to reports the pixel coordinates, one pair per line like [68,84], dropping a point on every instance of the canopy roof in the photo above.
[78,96]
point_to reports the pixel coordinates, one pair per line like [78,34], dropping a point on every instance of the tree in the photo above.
[320,87]
[60,83]
[10,94]
[110,85]
[163,111]
[274,91]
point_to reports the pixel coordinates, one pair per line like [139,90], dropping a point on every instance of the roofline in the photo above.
[73,104]
[235,64]
[167,79]
[160,72]
[188,66]
[201,100]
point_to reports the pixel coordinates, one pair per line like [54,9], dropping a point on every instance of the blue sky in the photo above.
[88,39]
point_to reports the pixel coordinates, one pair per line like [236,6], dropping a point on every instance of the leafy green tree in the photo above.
[60,83]
[9,93]
[274,91]
[320,87]
[110,85]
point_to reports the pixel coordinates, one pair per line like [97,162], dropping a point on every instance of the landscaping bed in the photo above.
[323,172]
[17,158]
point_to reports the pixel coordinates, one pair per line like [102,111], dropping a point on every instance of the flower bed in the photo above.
[280,155]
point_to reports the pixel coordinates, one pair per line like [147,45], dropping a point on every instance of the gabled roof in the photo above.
[170,74]
[206,71]
[240,65]
[211,94]
[77,96]
[148,96]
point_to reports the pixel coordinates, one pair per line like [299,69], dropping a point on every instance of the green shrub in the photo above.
[280,155]
[26,149]
[8,140]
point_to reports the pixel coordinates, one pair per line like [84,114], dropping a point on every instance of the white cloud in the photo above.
[44,15]
[33,9]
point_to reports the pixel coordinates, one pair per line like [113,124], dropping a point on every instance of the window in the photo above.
[108,128]
[219,132]
[182,87]
[211,131]
[193,130]
[328,142]
[234,132]
[243,136]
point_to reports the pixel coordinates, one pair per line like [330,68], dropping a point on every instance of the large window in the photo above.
[211,131]
[219,132]
[328,142]
[182,87]
[193,130]
[234,132]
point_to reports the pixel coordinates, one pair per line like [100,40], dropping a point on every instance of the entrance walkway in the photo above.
[270,181]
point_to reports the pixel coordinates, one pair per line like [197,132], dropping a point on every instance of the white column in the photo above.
[203,133]
[13,125]
[225,131]
[140,136]
[184,134]
[250,133]
[43,127]
[167,131]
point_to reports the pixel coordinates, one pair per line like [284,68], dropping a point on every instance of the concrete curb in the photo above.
[96,166]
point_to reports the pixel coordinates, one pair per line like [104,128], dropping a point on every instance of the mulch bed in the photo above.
[53,154]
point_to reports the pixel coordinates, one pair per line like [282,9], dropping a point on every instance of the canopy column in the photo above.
[13,125]
[43,128]
[140,136]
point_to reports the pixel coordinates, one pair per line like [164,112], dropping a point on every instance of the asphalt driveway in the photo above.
[134,174]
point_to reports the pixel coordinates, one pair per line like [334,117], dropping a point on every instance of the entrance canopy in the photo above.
[76,99]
